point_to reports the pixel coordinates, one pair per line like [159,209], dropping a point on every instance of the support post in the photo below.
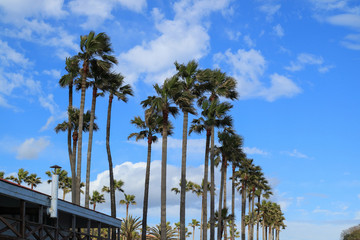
[73,226]
[22,218]
[41,221]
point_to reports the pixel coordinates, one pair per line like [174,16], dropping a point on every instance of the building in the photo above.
[24,215]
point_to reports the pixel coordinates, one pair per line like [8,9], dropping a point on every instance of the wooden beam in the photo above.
[10,226]
[22,218]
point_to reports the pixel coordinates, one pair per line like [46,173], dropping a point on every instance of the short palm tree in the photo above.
[129,227]
[21,176]
[33,180]
[65,182]
[73,71]
[92,47]
[162,105]
[2,174]
[128,200]
[115,87]
[194,223]
[118,185]
[96,198]
[155,233]
[149,127]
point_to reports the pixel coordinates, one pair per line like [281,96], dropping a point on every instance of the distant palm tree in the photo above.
[96,198]
[149,127]
[118,185]
[129,200]
[65,182]
[225,218]
[115,86]
[92,47]
[162,105]
[21,176]
[129,227]
[2,174]
[72,67]
[194,223]
[33,180]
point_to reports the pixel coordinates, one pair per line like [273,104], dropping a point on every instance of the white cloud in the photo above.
[352,41]
[97,11]
[270,10]
[249,42]
[248,68]
[234,36]
[8,55]
[278,30]
[49,103]
[357,215]
[181,39]
[304,59]
[295,153]
[345,20]
[31,148]
[53,72]
[327,212]
[47,124]
[254,150]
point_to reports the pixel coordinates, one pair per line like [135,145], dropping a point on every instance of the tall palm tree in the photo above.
[217,84]
[73,71]
[33,180]
[92,47]
[149,127]
[116,87]
[194,223]
[162,105]
[243,178]
[213,114]
[100,73]
[21,176]
[129,227]
[184,99]
[96,198]
[128,200]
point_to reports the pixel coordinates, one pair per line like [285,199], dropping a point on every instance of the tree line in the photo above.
[203,93]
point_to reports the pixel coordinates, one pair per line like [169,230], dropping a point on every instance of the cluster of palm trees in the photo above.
[203,93]
[31,180]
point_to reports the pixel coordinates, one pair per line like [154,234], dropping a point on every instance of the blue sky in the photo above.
[297,68]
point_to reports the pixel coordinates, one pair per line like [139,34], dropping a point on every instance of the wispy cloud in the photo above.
[278,30]
[304,59]
[270,9]
[254,150]
[295,153]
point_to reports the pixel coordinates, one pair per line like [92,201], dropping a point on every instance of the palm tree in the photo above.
[72,67]
[217,84]
[223,220]
[149,128]
[100,73]
[214,114]
[155,233]
[184,99]
[33,180]
[2,174]
[21,176]
[96,198]
[118,185]
[129,227]
[65,182]
[92,47]
[243,178]
[194,223]
[129,200]
[161,105]
[74,114]
[115,86]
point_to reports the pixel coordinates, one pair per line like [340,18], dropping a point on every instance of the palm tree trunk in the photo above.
[127,211]
[205,185]
[194,233]
[183,177]
[252,214]
[112,189]
[225,178]
[243,207]
[257,225]
[212,192]
[219,231]
[249,213]
[277,234]
[73,172]
[94,206]
[81,122]
[146,190]
[233,202]
[201,222]
[88,160]
[71,159]
[163,174]
[270,233]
